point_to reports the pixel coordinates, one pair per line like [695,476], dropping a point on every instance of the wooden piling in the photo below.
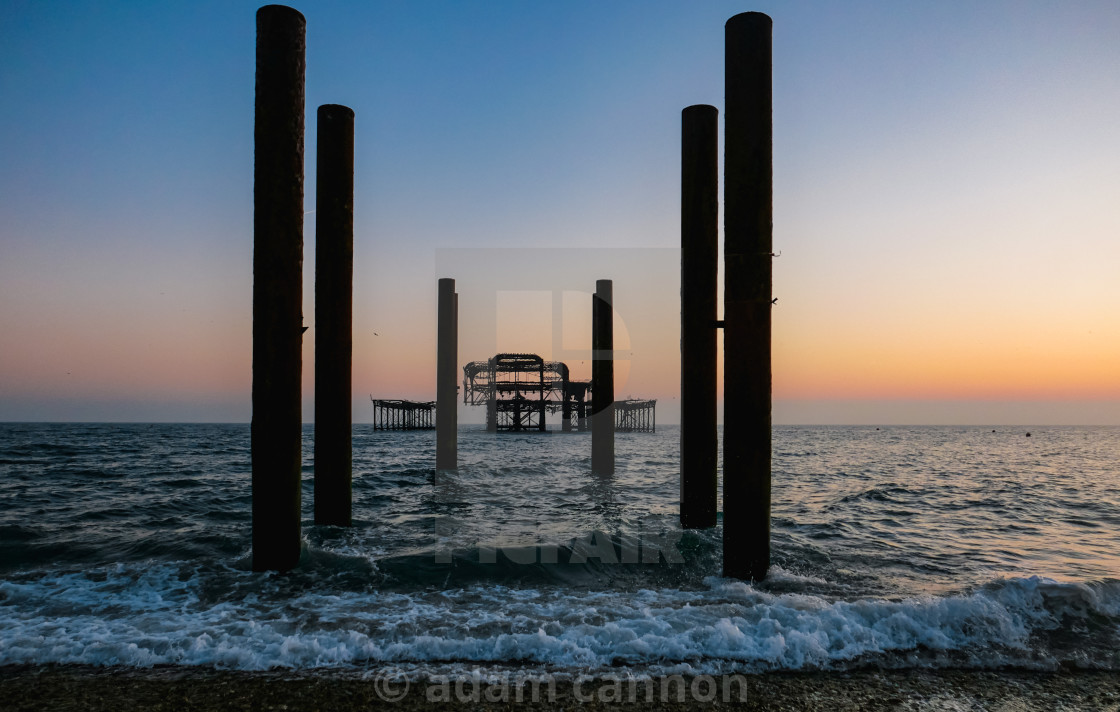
[447,443]
[699,268]
[566,407]
[748,247]
[277,287]
[334,279]
[602,378]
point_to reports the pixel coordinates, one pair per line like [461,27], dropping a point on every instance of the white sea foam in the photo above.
[143,616]
[776,574]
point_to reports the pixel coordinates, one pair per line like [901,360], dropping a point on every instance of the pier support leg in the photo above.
[566,407]
[699,268]
[541,402]
[748,247]
[334,288]
[277,287]
[602,378]
[447,442]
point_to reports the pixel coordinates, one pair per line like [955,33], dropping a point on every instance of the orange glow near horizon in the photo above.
[969,345]
[970,361]
[898,353]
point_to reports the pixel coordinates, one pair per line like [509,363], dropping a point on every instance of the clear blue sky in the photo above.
[946,182]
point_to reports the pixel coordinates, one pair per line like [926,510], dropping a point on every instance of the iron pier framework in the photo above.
[403,415]
[519,390]
[635,416]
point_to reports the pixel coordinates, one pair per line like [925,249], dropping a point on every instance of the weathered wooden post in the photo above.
[277,287]
[602,378]
[447,443]
[334,281]
[748,247]
[699,269]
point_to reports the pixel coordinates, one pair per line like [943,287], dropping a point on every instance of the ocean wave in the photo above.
[176,614]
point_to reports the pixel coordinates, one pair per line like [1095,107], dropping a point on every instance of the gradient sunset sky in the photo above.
[946,199]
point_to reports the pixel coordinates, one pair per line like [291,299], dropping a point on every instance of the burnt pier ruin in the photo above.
[520,390]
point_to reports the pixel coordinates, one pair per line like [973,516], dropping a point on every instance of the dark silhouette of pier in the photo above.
[403,414]
[519,390]
[635,416]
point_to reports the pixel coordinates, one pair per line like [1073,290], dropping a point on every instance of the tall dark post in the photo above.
[447,443]
[748,247]
[566,406]
[334,280]
[541,400]
[602,378]
[699,269]
[277,287]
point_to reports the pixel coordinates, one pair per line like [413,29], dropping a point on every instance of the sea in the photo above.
[973,547]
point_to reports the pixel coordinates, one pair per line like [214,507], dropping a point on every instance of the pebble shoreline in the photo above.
[73,687]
